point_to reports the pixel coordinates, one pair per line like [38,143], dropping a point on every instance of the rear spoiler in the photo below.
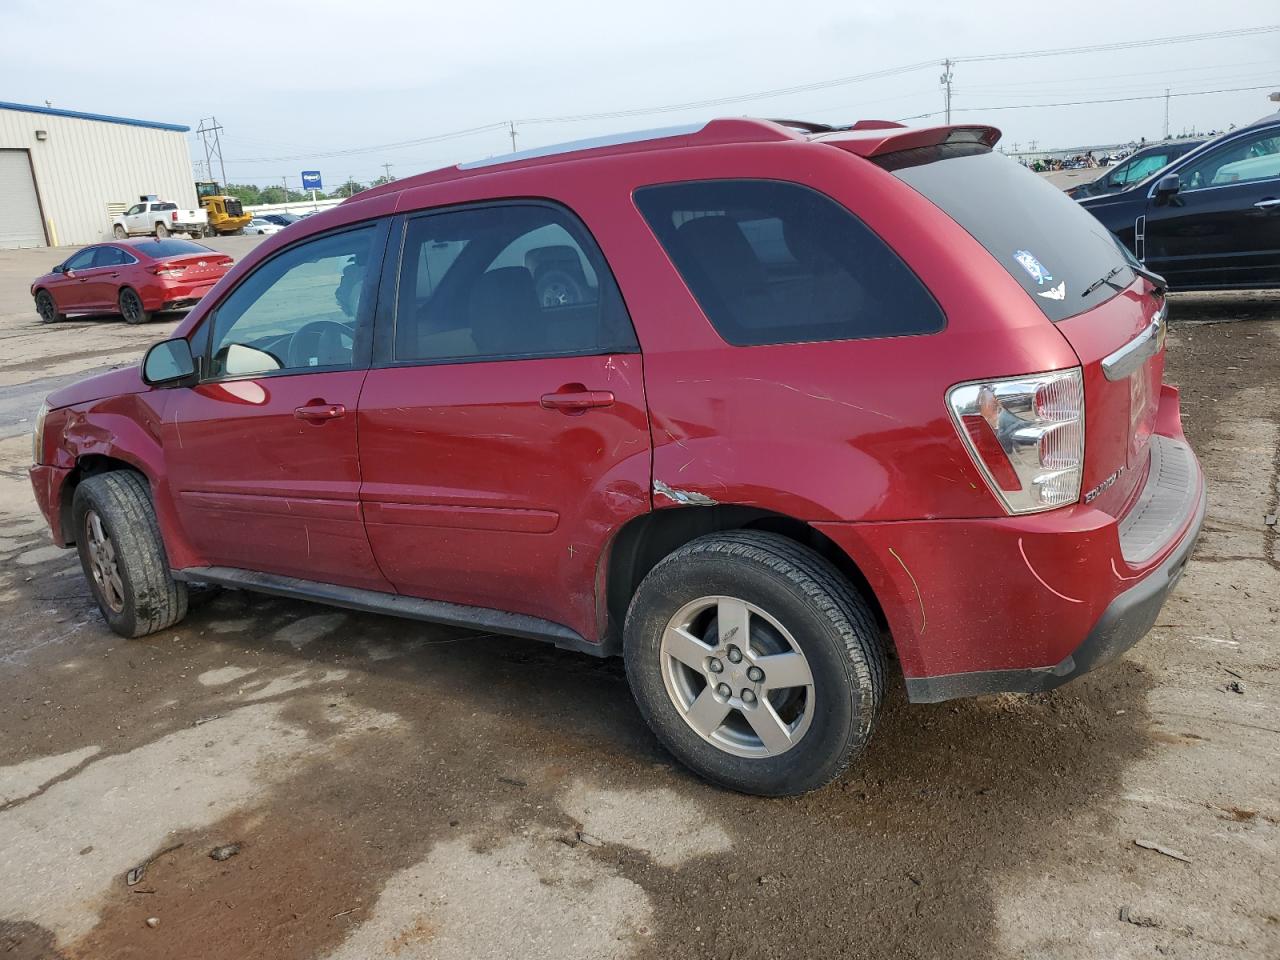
[868,141]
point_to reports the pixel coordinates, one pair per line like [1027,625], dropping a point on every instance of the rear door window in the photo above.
[1052,246]
[776,262]
[505,282]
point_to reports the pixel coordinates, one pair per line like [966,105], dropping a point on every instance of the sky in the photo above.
[341,87]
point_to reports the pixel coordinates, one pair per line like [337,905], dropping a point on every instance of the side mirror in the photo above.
[169,364]
[1167,186]
[60,268]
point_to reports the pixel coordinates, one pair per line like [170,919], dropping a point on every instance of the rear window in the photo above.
[776,262]
[171,247]
[1050,244]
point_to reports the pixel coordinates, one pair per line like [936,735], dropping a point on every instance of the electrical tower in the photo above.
[212,146]
[511,125]
[1166,113]
[387,167]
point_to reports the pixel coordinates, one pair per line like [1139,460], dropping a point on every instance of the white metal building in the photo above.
[64,174]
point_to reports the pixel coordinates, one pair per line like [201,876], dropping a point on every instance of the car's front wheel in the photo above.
[123,556]
[47,308]
[132,308]
[120,232]
[755,662]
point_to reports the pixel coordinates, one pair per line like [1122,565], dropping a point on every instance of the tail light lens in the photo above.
[1026,434]
[167,270]
[174,216]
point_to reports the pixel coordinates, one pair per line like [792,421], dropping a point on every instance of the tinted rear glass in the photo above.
[775,262]
[171,247]
[1050,244]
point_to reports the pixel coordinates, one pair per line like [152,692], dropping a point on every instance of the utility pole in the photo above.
[350,180]
[1166,113]
[945,80]
[387,167]
[285,181]
[214,148]
[511,124]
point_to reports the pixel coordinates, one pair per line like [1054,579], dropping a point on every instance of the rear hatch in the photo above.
[1078,275]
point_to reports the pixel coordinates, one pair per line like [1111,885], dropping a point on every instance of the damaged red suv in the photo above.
[754,405]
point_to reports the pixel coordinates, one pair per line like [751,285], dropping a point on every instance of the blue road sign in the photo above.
[311,180]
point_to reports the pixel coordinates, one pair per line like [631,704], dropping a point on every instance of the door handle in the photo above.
[317,411]
[1268,204]
[577,401]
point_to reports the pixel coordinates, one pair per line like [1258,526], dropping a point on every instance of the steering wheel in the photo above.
[314,343]
[557,288]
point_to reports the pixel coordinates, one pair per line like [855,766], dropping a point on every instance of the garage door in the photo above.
[20,224]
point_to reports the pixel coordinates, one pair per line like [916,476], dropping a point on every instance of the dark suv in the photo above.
[753,405]
[1210,220]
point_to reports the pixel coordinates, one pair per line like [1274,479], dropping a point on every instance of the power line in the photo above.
[1076,103]
[784,91]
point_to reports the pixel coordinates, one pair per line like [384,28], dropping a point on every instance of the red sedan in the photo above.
[134,278]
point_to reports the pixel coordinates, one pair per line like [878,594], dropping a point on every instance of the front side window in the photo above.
[505,282]
[297,312]
[1246,159]
[135,209]
[82,260]
[775,262]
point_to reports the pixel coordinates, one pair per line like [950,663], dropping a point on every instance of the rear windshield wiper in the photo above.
[1101,280]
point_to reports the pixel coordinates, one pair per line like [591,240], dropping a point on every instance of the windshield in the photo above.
[1057,251]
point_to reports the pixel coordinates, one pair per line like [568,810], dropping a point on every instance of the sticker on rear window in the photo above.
[1029,263]
[1054,293]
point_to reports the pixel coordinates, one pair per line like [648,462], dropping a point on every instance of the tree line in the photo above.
[252,195]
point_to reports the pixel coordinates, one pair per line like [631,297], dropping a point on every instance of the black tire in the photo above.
[47,308]
[120,232]
[149,598]
[830,623]
[131,307]
[161,230]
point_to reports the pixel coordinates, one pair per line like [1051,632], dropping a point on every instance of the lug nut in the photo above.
[724,690]
[715,666]
[748,696]
[735,655]
[755,674]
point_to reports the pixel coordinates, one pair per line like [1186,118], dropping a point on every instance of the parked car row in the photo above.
[896,390]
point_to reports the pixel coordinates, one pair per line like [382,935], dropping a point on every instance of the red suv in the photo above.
[752,404]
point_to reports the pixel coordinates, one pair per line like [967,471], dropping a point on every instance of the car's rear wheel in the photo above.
[47,308]
[131,307]
[161,230]
[124,560]
[120,232]
[755,662]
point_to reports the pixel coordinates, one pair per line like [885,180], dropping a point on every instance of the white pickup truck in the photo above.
[159,218]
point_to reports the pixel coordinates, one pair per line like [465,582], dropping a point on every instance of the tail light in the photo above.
[1026,434]
[167,270]
[174,216]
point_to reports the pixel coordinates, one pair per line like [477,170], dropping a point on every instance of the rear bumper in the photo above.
[1026,603]
[175,295]
[1125,621]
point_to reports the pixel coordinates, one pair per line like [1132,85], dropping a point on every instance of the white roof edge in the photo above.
[572,146]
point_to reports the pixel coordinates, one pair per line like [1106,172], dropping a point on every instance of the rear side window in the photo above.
[776,262]
[164,206]
[1061,255]
[505,282]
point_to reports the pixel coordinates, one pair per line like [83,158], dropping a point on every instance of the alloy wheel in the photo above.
[737,677]
[103,563]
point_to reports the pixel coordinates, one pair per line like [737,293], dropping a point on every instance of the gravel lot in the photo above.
[403,791]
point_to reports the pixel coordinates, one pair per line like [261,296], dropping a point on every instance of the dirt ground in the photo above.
[402,791]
